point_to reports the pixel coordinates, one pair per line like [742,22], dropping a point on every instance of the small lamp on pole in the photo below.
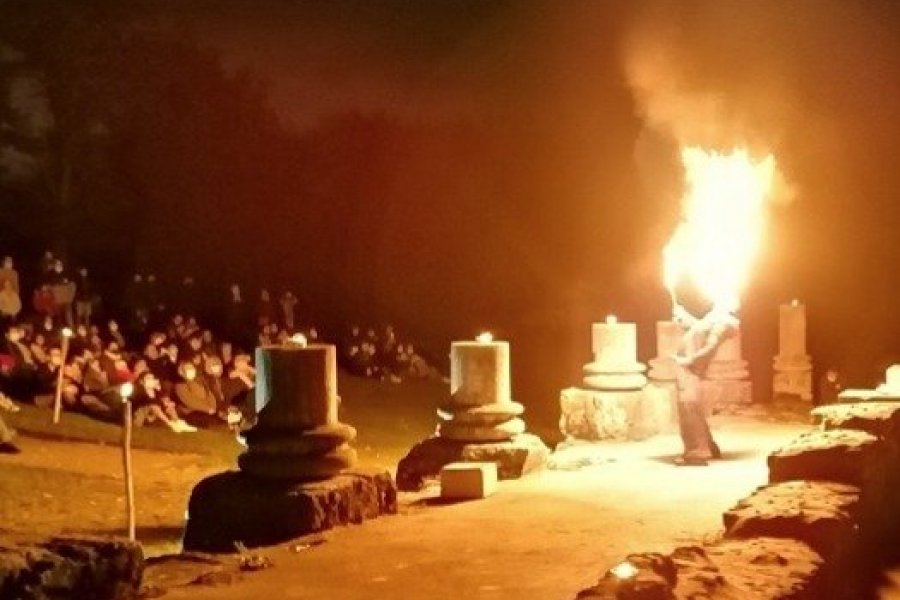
[126,390]
[57,400]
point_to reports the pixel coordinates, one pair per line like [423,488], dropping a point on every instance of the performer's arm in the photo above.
[681,316]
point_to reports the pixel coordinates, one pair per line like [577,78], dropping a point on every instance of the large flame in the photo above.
[723,223]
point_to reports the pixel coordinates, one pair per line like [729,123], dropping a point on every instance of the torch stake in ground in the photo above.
[57,400]
[126,390]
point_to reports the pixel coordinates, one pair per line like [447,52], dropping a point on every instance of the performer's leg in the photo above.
[695,434]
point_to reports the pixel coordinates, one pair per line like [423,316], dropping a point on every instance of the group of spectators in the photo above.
[384,357]
[182,375]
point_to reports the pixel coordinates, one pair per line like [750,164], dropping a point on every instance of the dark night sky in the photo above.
[542,184]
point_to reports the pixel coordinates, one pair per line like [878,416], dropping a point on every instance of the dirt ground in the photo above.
[57,487]
[544,536]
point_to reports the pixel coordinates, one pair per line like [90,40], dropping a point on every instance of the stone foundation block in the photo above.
[757,569]
[70,567]
[614,415]
[514,458]
[880,419]
[237,507]
[843,456]
[468,481]
[822,514]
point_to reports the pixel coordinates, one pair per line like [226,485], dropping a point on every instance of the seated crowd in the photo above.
[182,378]
[181,374]
[383,357]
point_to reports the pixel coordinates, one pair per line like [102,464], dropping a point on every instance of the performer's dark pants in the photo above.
[695,433]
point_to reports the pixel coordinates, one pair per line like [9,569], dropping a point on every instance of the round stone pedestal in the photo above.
[615,366]
[479,423]
[480,407]
[237,507]
[295,475]
[297,435]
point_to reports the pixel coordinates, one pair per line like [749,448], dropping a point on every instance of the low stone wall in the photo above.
[821,528]
[69,567]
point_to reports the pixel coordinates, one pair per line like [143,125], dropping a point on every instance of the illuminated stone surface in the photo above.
[233,506]
[480,408]
[823,514]
[615,365]
[468,480]
[295,476]
[843,456]
[792,367]
[881,419]
[603,415]
[297,434]
[757,569]
[668,338]
[514,458]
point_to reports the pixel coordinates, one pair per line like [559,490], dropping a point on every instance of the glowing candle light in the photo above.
[611,319]
[298,339]
[624,570]
[485,338]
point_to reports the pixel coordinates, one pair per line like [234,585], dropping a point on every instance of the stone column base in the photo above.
[236,507]
[718,395]
[595,415]
[516,457]
[793,383]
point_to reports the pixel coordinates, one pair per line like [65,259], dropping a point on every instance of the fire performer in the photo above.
[696,349]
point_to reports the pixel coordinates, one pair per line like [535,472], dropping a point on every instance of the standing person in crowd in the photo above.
[43,303]
[63,290]
[265,310]
[46,267]
[8,273]
[84,298]
[288,302]
[10,303]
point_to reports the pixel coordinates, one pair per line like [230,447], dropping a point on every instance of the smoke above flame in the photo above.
[718,142]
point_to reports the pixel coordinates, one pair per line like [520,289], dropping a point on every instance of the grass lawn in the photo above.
[389,419]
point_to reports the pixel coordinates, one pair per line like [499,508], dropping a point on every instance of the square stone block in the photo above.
[468,480]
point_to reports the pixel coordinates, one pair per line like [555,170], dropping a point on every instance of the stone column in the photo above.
[727,380]
[295,477]
[668,338]
[297,433]
[480,408]
[793,367]
[615,365]
[479,422]
[613,403]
